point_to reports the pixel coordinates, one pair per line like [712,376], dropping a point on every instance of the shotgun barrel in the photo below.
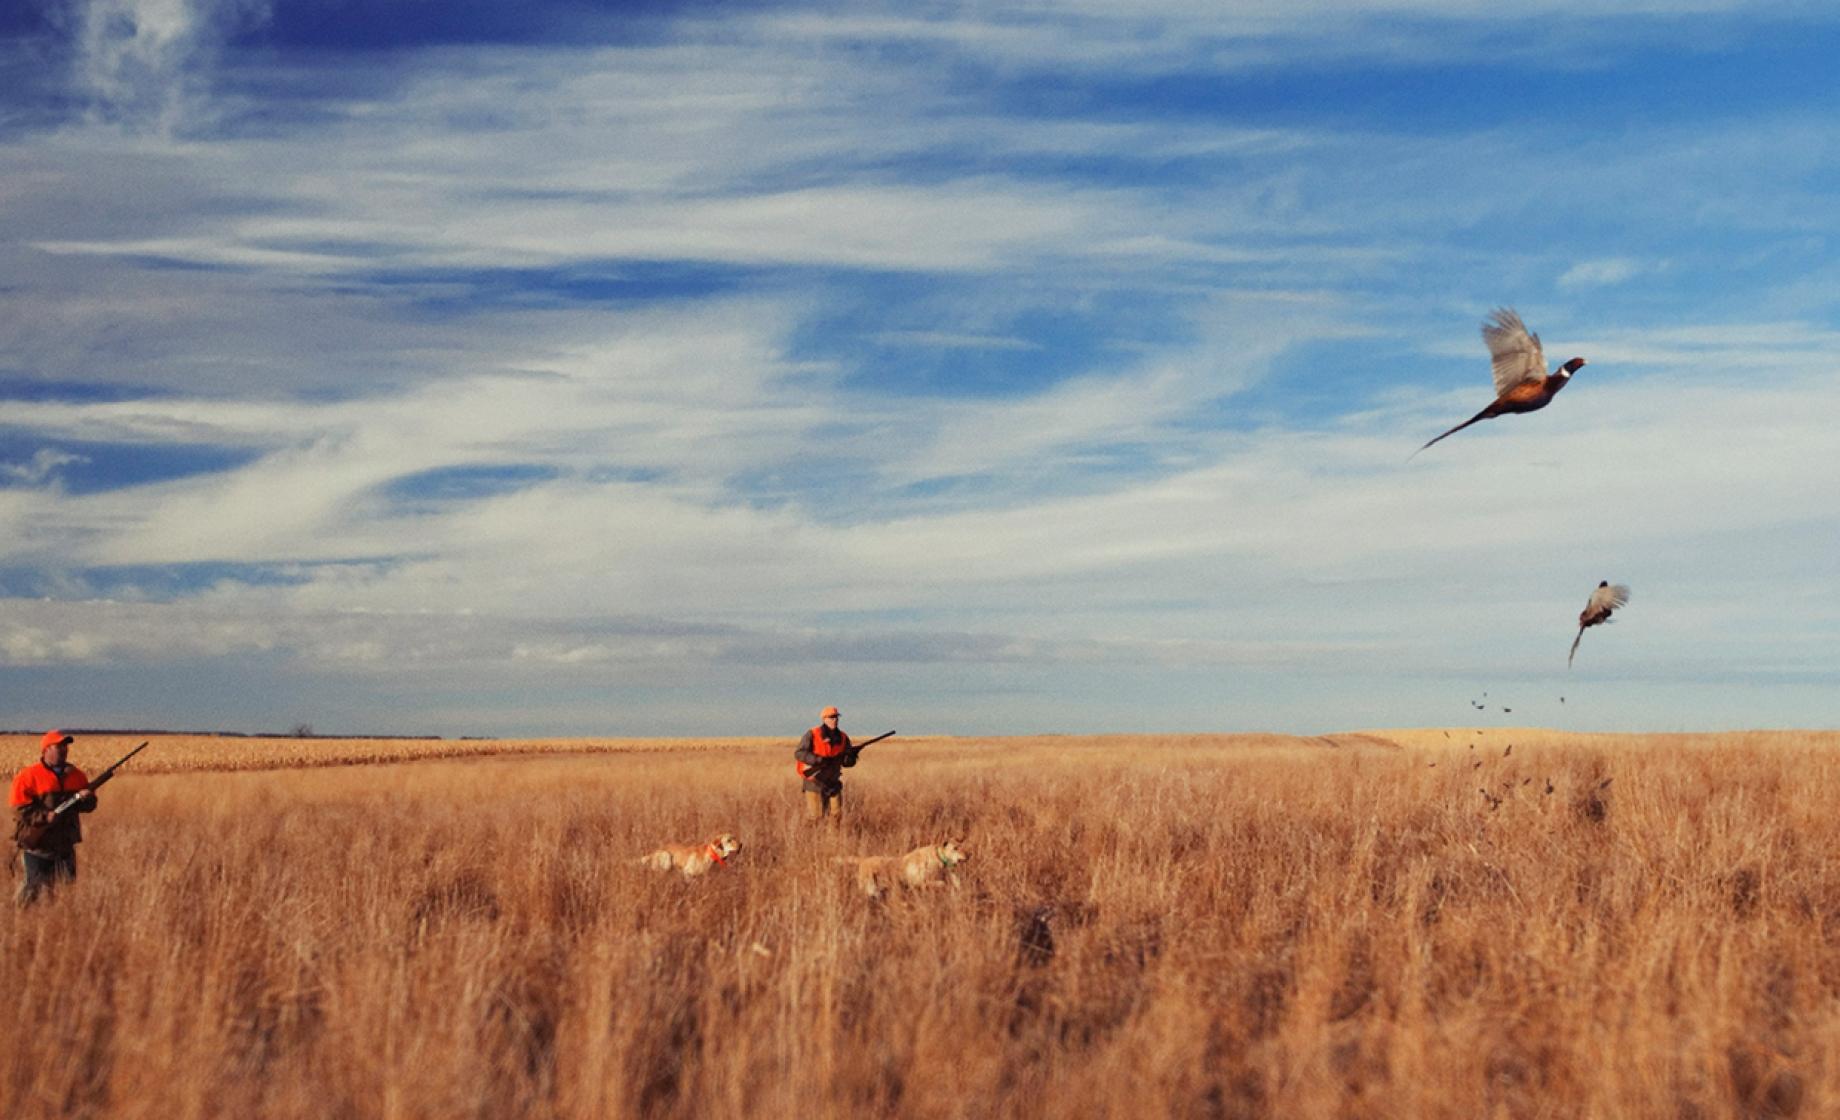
[71,802]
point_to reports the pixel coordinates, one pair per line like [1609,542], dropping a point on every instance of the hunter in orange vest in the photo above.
[47,844]
[822,754]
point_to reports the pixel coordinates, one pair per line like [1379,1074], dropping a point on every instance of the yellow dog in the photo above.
[933,865]
[693,859]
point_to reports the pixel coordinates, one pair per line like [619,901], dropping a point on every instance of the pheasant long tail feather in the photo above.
[1483,415]
[1574,653]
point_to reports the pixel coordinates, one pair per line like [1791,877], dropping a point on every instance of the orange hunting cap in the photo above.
[53,738]
[828,713]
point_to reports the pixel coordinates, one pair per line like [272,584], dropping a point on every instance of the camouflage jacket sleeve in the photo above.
[805,754]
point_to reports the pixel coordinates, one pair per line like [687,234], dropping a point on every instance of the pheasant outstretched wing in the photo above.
[1513,351]
[1607,599]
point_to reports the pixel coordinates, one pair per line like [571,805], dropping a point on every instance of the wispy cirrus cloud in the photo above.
[43,464]
[141,62]
[1601,273]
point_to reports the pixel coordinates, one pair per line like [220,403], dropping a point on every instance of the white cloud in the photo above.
[1600,273]
[1143,404]
[688,399]
[40,467]
[140,60]
[954,341]
[1061,36]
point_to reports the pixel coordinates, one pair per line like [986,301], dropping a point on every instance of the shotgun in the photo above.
[96,783]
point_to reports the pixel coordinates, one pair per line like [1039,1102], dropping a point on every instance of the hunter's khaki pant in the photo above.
[822,806]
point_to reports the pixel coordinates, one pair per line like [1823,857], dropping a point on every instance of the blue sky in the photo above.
[575,368]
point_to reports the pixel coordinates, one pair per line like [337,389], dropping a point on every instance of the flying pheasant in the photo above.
[1604,600]
[1521,381]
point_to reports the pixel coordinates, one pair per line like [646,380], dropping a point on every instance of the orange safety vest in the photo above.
[38,780]
[822,747]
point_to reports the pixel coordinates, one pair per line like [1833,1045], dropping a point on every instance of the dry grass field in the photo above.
[1390,924]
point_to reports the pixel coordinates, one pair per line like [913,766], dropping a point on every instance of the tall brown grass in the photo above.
[1221,926]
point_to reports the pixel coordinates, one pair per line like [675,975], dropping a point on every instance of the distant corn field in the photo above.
[1394,924]
[174,753]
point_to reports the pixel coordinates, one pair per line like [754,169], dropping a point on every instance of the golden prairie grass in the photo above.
[1384,925]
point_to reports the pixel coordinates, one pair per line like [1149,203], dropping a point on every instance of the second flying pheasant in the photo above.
[1606,600]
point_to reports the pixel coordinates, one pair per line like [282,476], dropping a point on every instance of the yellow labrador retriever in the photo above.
[934,865]
[693,859]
